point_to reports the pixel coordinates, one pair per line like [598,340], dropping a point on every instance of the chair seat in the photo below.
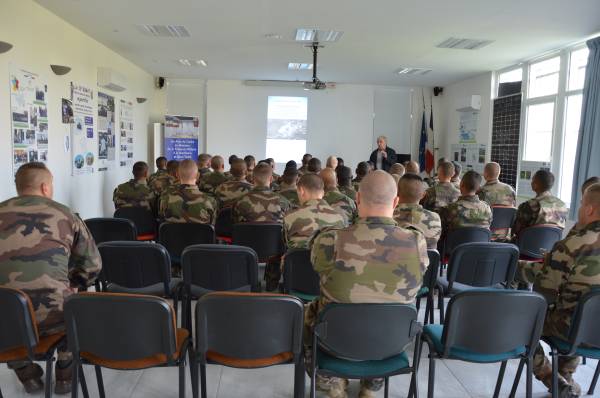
[141,363]
[435,332]
[461,287]
[199,291]
[44,346]
[303,296]
[564,347]
[276,359]
[360,369]
[154,290]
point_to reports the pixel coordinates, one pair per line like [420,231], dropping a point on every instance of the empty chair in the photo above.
[124,332]
[19,337]
[462,235]
[224,225]
[111,229]
[143,219]
[429,285]
[250,330]
[299,276]
[535,240]
[265,238]
[208,268]
[484,326]
[358,341]
[175,237]
[503,217]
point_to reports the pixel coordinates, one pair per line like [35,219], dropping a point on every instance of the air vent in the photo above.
[164,30]
[464,44]
[317,35]
[413,71]
[299,66]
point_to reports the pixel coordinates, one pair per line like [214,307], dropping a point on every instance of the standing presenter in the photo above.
[383,157]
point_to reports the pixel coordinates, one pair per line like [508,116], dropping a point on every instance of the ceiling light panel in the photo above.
[413,71]
[464,44]
[317,35]
[187,62]
[299,66]
[164,30]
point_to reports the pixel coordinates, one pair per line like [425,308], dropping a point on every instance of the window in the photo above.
[538,132]
[577,66]
[286,128]
[515,75]
[572,119]
[543,78]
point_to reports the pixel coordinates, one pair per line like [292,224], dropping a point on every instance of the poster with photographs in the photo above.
[126,133]
[83,140]
[106,131]
[29,116]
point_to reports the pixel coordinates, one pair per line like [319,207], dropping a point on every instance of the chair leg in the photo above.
[554,373]
[48,386]
[299,378]
[1,396]
[418,303]
[386,387]
[313,381]
[100,381]
[182,378]
[584,360]
[75,381]
[513,391]
[193,371]
[203,380]
[431,381]
[592,386]
[431,306]
[441,304]
[500,379]
[529,386]
[83,383]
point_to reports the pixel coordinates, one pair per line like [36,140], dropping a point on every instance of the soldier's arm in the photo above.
[549,278]
[85,262]
[423,256]
[322,252]
[522,219]
[428,200]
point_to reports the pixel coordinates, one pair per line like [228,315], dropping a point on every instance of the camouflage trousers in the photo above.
[273,269]
[311,315]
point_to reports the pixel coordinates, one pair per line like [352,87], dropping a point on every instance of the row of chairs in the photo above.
[130,332]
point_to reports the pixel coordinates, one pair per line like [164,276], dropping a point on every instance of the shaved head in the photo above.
[589,211]
[238,168]
[188,171]
[588,182]
[412,167]
[173,168]
[203,160]
[263,173]
[445,171]
[329,178]
[332,162]
[376,196]
[34,179]
[311,183]
[491,171]
[140,170]
[398,169]
[217,163]
[410,188]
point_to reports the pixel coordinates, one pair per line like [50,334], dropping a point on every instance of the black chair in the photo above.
[478,265]
[265,238]
[299,276]
[483,327]
[19,337]
[209,268]
[224,225]
[249,330]
[459,236]
[111,229]
[429,285]
[503,217]
[124,332]
[535,240]
[144,221]
[175,237]
[356,341]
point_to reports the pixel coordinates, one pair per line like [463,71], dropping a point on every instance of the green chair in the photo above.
[299,277]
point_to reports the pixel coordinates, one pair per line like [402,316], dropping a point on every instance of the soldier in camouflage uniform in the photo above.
[397,169]
[314,166]
[468,210]
[231,160]
[305,159]
[276,177]
[230,191]
[135,192]
[444,192]
[362,169]
[210,181]
[455,180]
[250,165]
[261,204]
[340,202]
[496,193]
[372,261]
[163,178]
[161,165]
[568,272]
[344,180]
[204,160]
[409,213]
[287,188]
[48,253]
[183,203]
[331,162]
[544,208]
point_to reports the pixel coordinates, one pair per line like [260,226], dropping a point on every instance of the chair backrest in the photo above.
[135,264]
[532,241]
[175,237]
[430,276]
[494,321]
[111,229]
[265,238]
[584,328]
[120,327]
[143,219]
[299,274]
[483,264]
[462,235]
[18,327]
[249,325]
[503,217]
[220,267]
[367,331]
[224,224]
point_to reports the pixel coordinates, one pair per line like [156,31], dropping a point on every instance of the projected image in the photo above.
[286,128]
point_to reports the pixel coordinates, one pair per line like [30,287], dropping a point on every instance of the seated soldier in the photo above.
[184,202]
[305,159]
[232,158]
[455,180]
[173,170]
[340,202]
[331,162]
[587,183]
[413,167]
[250,165]
[287,188]
[372,261]
[135,192]
[397,169]
[314,166]
[344,179]
[276,176]
[161,169]
[496,193]
[260,204]
[409,213]
[544,208]
[568,272]
[204,160]
[230,191]
[163,178]
[468,210]
[210,181]
[48,253]
[444,192]
[362,169]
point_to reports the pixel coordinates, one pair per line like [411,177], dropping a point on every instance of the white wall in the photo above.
[40,38]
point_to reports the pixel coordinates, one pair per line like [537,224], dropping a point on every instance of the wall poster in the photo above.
[126,133]
[181,137]
[83,140]
[470,156]
[467,131]
[106,131]
[29,117]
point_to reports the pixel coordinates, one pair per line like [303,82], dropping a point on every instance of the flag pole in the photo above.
[432,132]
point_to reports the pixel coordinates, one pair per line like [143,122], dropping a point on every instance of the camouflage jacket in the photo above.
[134,194]
[543,209]
[415,216]
[291,195]
[302,170]
[342,204]
[569,271]
[372,261]
[160,180]
[467,211]
[497,193]
[203,171]
[48,252]
[185,203]
[356,183]
[230,191]
[349,192]
[456,183]
[300,225]
[260,205]
[210,181]
[440,195]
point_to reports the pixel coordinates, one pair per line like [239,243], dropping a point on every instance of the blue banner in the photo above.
[181,148]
